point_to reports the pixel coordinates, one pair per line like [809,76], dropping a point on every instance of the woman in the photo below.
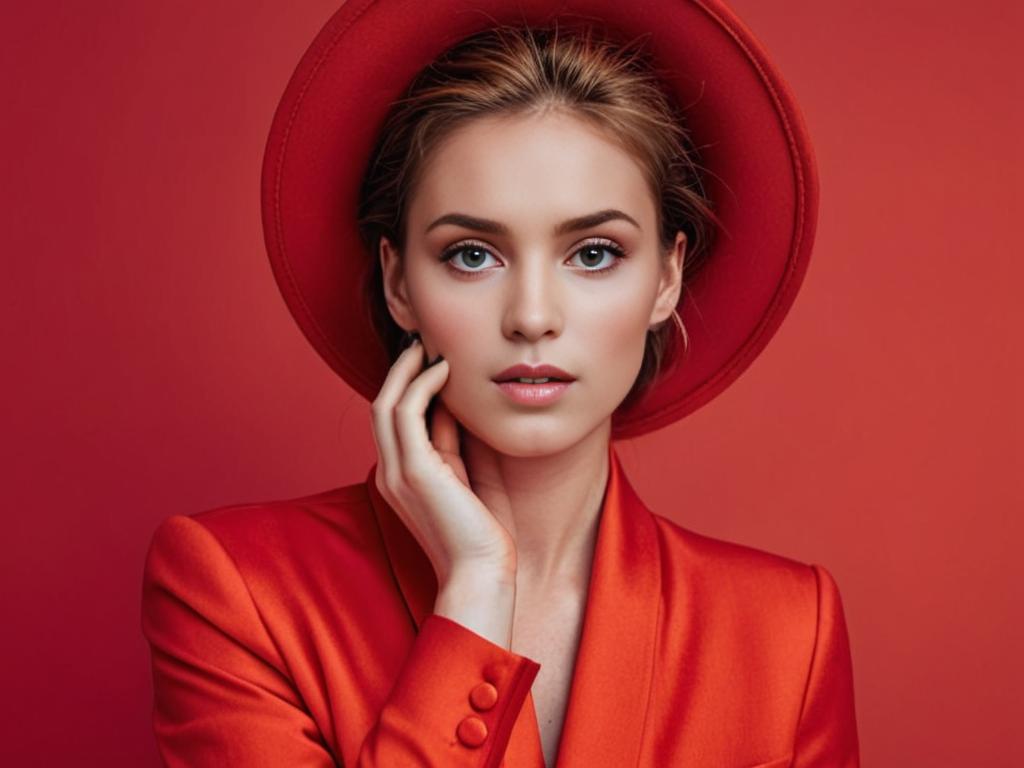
[496,593]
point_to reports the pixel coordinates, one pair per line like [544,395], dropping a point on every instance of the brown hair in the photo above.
[520,69]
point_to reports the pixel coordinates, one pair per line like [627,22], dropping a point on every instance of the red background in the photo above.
[151,367]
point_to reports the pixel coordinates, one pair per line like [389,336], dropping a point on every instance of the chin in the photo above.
[525,443]
[528,435]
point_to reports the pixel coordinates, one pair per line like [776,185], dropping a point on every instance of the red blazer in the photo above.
[299,633]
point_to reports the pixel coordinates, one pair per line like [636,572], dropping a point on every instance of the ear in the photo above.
[395,292]
[671,282]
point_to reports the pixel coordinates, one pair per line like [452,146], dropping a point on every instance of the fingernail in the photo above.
[436,360]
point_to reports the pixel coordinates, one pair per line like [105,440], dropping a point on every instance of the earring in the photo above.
[682,329]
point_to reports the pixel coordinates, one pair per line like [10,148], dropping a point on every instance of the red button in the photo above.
[472,731]
[483,696]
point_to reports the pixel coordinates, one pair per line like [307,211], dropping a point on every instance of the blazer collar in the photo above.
[614,670]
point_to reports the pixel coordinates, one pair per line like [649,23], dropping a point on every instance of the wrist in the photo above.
[479,580]
[481,600]
[487,571]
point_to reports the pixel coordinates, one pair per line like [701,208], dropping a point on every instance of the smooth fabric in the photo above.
[301,633]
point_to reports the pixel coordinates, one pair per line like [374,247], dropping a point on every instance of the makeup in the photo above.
[534,394]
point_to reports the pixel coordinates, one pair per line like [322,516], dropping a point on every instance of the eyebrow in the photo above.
[569,225]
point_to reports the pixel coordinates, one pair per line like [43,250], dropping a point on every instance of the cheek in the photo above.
[456,324]
[616,328]
[452,327]
[445,317]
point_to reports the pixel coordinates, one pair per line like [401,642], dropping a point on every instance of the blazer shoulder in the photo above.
[743,574]
[714,552]
[775,610]
[343,512]
[281,545]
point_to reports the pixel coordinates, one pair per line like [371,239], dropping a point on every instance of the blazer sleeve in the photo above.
[223,694]
[827,730]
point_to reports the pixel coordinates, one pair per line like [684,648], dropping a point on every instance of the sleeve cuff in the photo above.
[460,693]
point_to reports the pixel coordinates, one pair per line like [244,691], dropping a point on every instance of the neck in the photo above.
[550,504]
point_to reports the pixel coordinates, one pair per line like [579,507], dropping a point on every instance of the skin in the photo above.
[505,498]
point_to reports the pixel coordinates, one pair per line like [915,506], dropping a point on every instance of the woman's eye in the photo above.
[592,256]
[472,256]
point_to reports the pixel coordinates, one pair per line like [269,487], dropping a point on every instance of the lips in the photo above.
[524,371]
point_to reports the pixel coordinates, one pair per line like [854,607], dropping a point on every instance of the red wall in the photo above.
[151,367]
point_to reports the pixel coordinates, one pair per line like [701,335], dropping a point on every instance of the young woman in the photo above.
[495,593]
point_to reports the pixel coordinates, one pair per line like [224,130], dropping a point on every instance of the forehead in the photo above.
[538,168]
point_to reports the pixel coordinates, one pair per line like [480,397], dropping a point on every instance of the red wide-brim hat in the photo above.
[759,173]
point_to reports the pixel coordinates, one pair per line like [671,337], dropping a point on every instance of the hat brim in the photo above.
[761,177]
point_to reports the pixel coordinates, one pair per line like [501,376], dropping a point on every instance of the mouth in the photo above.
[541,393]
[524,380]
[534,375]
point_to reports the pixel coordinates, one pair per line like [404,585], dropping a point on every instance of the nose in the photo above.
[533,306]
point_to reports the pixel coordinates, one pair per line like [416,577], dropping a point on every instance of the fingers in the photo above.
[399,418]
[410,417]
[404,369]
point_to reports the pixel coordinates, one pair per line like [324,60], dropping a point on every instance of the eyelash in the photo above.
[450,253]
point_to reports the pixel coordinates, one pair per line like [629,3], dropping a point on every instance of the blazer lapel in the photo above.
[614,672]
[613,675]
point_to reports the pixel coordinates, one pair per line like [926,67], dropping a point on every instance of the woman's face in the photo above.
[514,236]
